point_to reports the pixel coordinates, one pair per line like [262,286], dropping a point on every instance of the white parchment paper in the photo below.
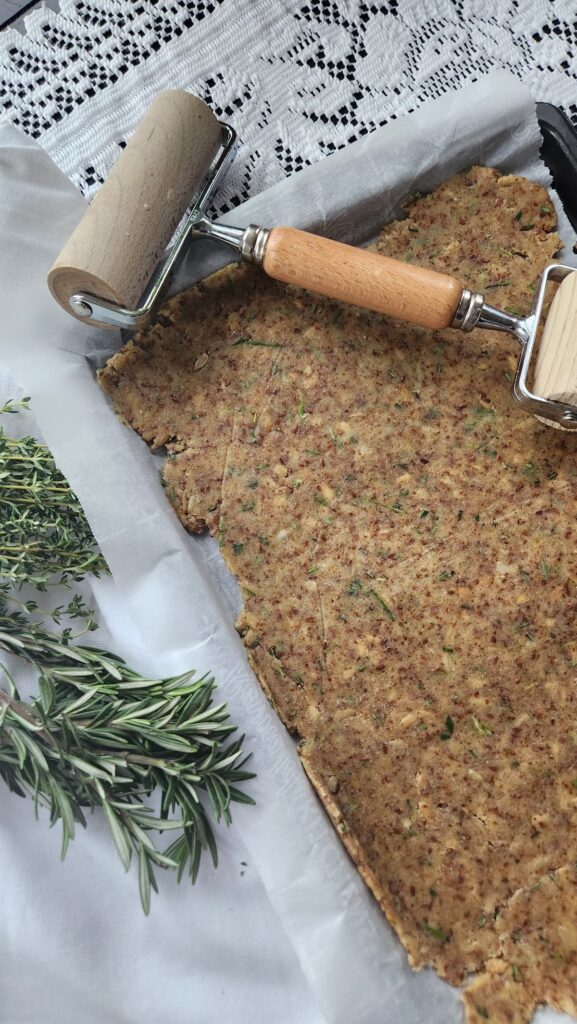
[171,604]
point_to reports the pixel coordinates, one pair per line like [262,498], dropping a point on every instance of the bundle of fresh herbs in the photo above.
[99,734]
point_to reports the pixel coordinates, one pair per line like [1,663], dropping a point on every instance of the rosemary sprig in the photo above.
[100,734]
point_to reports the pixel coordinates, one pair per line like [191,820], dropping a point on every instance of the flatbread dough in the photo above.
[404,537]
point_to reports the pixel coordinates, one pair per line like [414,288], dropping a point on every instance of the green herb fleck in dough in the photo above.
[436,933]
[449,728]
[384,607]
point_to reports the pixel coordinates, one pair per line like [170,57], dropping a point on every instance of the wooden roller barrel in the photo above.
[123,235]
[556,364]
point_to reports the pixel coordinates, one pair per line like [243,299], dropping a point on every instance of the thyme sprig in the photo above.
[100,735]
[44,535]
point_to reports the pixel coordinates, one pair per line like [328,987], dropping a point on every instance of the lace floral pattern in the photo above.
[297,78]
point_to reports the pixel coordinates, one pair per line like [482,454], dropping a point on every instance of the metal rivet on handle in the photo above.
[80,307]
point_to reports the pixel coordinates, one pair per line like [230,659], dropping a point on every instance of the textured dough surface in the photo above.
[404,537]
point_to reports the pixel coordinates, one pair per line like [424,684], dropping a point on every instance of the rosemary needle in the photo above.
[99,734]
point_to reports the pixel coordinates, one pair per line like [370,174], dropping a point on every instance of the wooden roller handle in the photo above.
[362,278]
[556,365]
[121,238]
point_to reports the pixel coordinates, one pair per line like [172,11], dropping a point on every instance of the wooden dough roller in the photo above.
[106,266]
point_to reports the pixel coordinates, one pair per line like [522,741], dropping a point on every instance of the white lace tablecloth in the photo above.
[297,80]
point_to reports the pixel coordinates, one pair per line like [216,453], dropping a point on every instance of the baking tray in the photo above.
[559,152]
